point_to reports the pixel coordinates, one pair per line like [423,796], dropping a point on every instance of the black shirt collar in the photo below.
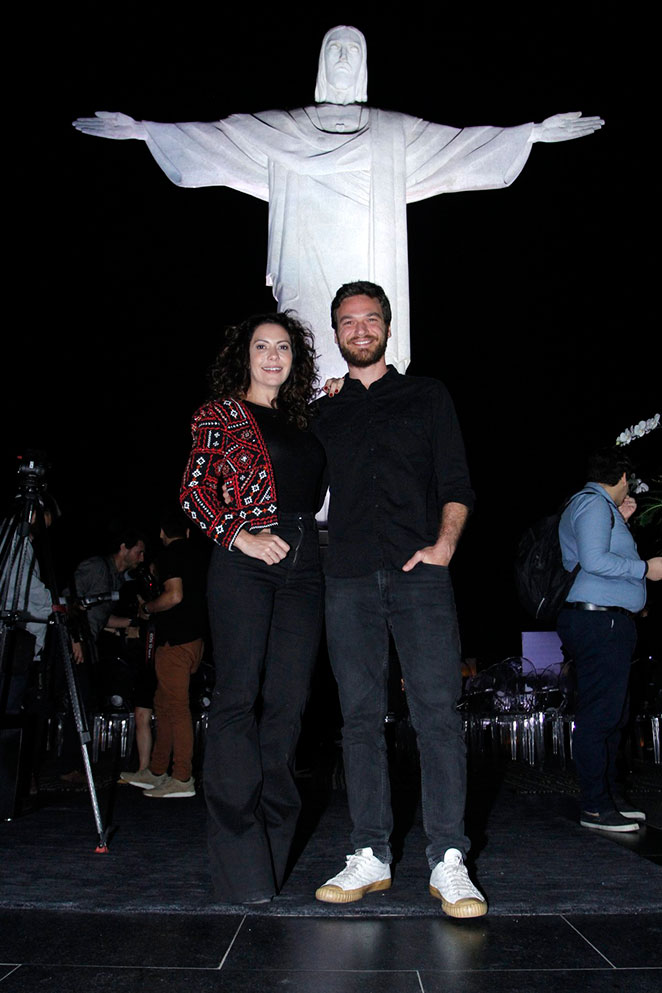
[389,376]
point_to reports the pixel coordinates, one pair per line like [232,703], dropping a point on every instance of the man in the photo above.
[33,601]
[597,628]
[400,497]
[102,577]
[179,616]
[338,176]
[97,633]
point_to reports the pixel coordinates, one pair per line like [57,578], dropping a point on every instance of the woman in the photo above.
[264,592]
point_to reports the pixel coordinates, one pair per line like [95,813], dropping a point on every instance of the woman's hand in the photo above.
[264,545]
[333,386]
[226,494]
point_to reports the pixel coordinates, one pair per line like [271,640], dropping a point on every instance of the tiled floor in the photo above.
[58,952]
[61,951]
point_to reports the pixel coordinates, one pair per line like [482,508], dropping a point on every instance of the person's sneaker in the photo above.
[450,883]
[363,873]
[144,778]
[626,809]
[174,787]
[611,821]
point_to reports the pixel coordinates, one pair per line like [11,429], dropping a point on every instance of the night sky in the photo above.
[530,303]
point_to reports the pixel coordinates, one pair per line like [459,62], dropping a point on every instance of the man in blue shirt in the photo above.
[597,628]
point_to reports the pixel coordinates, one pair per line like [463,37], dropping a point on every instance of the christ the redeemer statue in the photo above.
[338,176]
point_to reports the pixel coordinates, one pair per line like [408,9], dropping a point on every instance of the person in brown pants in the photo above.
[178,613]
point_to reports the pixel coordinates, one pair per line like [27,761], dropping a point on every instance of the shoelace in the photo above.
[456,881]
[354,865]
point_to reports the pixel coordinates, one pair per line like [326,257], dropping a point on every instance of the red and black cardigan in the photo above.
[228,448]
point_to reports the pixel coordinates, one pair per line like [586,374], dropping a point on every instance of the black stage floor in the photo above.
[567,906]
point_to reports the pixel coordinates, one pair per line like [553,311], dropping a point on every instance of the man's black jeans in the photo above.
[602,644]
[418,607]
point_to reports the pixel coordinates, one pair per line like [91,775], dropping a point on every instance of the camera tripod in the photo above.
[19,574]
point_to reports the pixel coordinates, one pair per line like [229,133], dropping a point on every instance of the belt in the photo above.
[580,605]
[293,519]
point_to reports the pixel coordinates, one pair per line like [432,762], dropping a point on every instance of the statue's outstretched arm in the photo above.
[110,124]
[565,127]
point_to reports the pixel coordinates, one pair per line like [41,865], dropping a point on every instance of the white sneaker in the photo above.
[364,873]
[450,883]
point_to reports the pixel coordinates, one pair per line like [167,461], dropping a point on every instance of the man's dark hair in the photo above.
[174,523]
[230,375]
[361,288]
[607,465]
[127,536]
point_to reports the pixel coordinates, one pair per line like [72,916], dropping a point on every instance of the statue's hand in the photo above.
[565,127]
[110,124]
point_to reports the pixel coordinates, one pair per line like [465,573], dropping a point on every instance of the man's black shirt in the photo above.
[186,621]
[395,456]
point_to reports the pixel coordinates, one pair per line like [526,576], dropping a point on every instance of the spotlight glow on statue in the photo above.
[338,176]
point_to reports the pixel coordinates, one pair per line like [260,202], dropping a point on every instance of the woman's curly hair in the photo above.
[230,375]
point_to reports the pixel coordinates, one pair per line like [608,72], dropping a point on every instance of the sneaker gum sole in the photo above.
[468,907]
[334,894]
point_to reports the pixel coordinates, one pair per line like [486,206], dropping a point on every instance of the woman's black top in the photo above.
[297,459]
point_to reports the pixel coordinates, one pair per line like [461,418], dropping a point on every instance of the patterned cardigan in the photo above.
[228,448]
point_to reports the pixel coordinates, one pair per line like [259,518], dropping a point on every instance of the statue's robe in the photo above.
[337,200]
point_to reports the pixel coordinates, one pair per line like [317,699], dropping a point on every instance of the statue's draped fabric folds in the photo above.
[337,201]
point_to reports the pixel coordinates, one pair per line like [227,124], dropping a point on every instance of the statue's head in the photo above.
[342,76]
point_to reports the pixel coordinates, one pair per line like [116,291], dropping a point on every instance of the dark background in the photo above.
[530,303]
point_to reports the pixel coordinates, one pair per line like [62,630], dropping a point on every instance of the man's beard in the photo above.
[361,358]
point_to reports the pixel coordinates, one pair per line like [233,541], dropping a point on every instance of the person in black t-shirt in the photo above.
[178,613]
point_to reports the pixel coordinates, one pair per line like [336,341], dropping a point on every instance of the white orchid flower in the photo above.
[638,430]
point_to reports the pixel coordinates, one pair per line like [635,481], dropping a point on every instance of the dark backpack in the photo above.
[542,582]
